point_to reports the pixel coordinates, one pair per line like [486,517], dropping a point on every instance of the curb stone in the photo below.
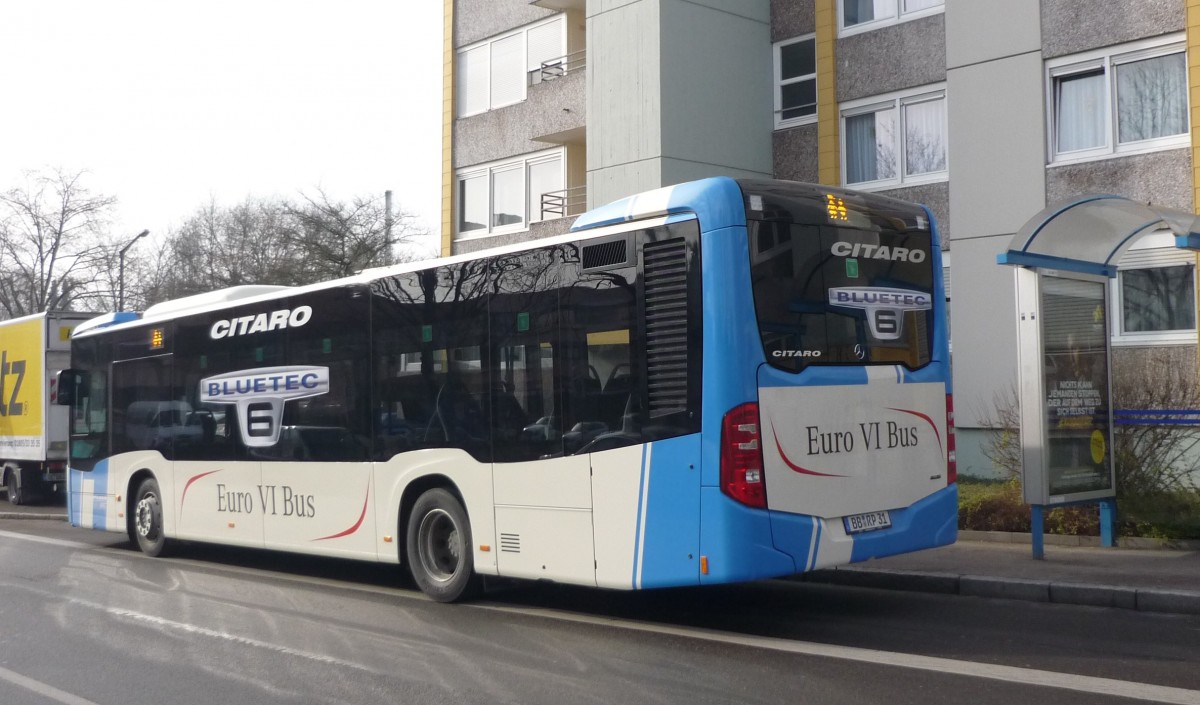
[1130,542]
[1140,599]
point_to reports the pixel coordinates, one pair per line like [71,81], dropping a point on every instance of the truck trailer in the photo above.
[34,431]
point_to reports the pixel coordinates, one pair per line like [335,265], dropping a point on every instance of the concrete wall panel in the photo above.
[550,107]
[795,154]
[904,55]
[1072,26]
[716,85]
[936,196]
[623,85]
[621,180]
[985,30]
[475,20]
[1161,178]
[677,171]
[998,175]
[983,329]
[537,231]
[790,18]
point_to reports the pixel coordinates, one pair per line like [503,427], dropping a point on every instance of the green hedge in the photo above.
[990,505]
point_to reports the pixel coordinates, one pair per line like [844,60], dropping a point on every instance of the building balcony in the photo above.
[553,111]
[563,203]
[557,68]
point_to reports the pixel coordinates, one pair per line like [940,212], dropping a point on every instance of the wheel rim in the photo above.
[144,517]
[439,545]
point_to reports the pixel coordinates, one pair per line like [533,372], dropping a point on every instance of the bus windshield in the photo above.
[836,282]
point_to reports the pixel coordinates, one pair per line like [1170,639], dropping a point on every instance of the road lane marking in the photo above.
[126,616]
[1011,674]
[1008,674]
[45,539]
[197,630]
[43,689]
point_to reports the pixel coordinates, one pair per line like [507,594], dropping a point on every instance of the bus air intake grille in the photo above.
[666,279]
[510,543]
[603,255]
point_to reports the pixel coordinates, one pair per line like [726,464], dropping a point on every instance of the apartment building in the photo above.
[985,111]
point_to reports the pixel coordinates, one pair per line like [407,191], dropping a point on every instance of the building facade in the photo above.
[986,112]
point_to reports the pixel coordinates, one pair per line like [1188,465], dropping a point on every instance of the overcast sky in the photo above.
[169,103]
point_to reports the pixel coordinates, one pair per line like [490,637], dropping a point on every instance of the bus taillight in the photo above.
[741,456]
[951,460]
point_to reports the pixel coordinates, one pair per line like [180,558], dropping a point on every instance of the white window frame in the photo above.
[898,16]
[560,156]
[1107,60]
[780,82]
[489,170]
[894,101]
[1154,251]
[486,64]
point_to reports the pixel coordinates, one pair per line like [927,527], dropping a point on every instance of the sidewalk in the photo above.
[32,511]
[1155,580]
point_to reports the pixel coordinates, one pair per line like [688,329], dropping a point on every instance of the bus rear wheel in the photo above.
[13,483]
[147,519]
[438,544]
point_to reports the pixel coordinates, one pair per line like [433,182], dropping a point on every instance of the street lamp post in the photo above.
[121,269]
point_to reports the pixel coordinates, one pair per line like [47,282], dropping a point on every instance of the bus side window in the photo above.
[524,327]
[600,307]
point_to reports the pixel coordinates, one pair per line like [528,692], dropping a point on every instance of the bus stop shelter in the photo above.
[1063,258]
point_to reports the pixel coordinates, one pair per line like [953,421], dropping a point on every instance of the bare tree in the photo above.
[219,247]
[339,238]
[274,241]
[52,236]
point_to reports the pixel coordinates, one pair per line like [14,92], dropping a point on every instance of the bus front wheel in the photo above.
[147,519]
[438,544]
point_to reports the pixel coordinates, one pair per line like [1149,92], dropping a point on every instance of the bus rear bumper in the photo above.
[824,543]
[929,523]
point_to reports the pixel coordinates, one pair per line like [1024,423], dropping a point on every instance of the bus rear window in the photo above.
[837,294]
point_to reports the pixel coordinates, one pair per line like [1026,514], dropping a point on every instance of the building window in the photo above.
[1158,300]
[863,15]
[472,202]
[506,196]
[495,72]
[895,140]
[1132,98]
[1154,293]
[795,82]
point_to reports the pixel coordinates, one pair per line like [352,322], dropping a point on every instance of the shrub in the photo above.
[1155,464]
[998,505]
[988,505]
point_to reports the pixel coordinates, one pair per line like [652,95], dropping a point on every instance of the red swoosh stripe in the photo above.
[188,486]
[357,524]
[793,466]
[927,420]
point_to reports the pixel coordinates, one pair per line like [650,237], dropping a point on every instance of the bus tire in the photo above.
[438,543]
[147,519]
[15,496]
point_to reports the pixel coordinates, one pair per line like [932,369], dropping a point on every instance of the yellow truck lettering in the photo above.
[12,374]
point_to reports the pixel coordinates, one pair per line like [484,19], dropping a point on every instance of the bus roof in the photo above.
[712,200]
[233,296]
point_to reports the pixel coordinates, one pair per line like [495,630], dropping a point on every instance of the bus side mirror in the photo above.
[70,386]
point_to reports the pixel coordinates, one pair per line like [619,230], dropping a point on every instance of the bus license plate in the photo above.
[871,521]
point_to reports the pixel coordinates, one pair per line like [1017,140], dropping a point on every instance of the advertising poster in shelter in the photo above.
[1076,384]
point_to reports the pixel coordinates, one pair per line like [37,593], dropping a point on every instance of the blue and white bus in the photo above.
[724,380]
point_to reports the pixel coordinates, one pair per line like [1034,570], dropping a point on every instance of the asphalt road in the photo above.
[85,619]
